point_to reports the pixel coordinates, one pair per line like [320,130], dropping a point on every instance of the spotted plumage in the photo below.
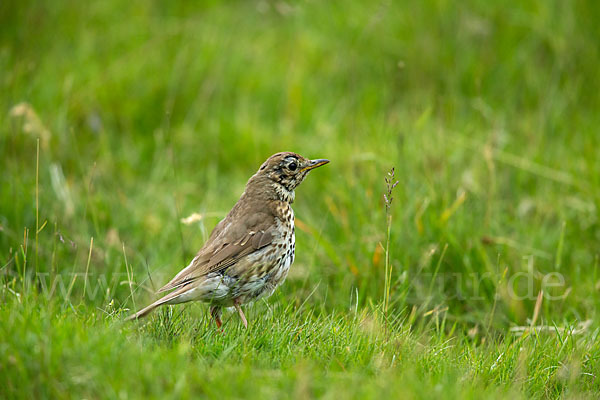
[249,253]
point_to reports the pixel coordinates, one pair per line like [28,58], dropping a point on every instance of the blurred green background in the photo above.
[148,112]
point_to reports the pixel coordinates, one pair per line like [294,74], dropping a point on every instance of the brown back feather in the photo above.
[248,227]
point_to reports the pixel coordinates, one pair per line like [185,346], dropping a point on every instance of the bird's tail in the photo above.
[163,300]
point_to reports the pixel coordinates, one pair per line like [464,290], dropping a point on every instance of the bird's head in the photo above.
[286,171]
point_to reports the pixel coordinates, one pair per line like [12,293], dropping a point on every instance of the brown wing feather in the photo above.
[222,258]
[231,253]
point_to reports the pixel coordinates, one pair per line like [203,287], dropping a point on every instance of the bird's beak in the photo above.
[315,163]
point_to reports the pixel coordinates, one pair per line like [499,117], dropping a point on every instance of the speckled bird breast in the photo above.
[285,247]
[276,258]
[265,269]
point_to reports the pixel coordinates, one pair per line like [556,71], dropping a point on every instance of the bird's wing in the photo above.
[222,257]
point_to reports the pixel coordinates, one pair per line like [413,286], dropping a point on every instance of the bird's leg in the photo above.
[215,312]
[237,306]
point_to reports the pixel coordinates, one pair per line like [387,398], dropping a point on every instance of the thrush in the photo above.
[248,253]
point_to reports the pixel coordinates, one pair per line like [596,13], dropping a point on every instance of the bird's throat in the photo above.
[283,193]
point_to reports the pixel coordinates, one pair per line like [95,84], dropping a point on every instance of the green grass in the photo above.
[147,112]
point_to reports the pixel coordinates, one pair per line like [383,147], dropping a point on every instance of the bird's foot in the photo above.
[242,316]
[215,312]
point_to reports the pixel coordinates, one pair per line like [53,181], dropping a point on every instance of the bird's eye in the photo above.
[293,166]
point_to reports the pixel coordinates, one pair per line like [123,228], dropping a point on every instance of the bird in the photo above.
[249,253]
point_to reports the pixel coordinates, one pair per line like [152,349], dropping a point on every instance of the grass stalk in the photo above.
[37,203]
[391,182]
[129,276]
[87,267]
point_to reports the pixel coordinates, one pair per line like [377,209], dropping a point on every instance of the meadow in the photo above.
[129,129]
